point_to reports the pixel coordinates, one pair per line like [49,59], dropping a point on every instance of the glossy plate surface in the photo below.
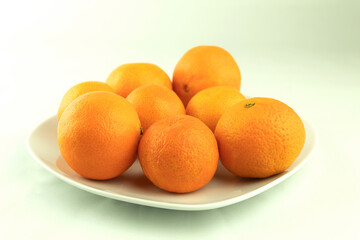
[132,186]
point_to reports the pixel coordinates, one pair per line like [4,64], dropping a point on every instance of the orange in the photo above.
[259,137]
[127,77]
[179,154]
[203,67]
[209,104]
[98,135]
[154,102]
[79,90]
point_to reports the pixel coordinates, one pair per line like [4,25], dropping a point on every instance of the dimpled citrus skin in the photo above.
[209,104]
[154,102]
[259,137]
[179,154]
[98,135]
[127,77]
[203,67]
[79,90]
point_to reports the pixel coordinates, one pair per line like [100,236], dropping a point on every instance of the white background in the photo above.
[305,53]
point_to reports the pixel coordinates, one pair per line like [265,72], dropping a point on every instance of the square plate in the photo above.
[132,186]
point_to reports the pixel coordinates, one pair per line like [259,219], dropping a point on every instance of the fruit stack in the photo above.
[178,129]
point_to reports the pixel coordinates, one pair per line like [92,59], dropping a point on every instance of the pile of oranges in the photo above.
[178,129]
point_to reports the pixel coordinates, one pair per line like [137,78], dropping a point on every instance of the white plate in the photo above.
[132,186]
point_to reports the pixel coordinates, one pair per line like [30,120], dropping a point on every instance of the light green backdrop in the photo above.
[306,53]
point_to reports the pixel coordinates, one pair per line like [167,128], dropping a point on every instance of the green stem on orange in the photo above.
[249,105]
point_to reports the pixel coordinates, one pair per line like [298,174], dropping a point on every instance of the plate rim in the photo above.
[172,206]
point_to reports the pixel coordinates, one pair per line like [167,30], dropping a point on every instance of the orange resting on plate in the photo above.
[259,137]
[98,135]
[179,154]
